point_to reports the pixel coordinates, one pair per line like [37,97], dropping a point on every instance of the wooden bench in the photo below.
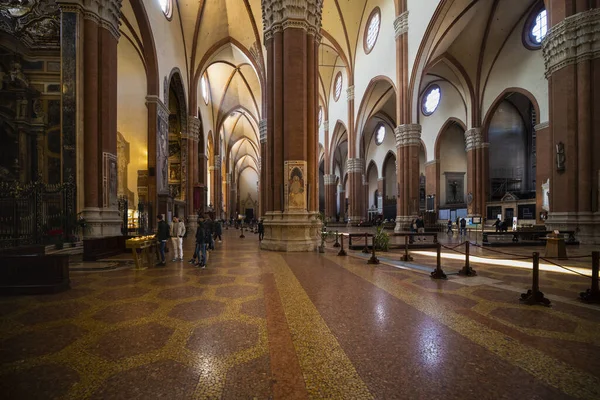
[524,238]
[33,274]
[415,240]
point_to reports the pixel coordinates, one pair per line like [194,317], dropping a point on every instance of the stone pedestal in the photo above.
[586,225]
[103,222]
[291,231]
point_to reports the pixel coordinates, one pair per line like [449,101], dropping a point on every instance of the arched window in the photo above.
[204,88]
[167,7]
[338,86]
[372,30]
[379,134]
[431,100]
[536,29]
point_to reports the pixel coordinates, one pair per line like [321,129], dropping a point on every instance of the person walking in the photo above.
[218,230]
[498,224]
[261,230]
[200,252]
[450,231]
[463,226]
[420,226]
[162,235]
[210,228]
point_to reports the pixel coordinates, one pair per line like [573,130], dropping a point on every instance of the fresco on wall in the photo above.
[295,186]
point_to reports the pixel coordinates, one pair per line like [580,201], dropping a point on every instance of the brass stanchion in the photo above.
[242,235]
[373,259]
[533,295]
[593,295]
[366,249]
[342,252]
[467,270]
[337,244]
[406,256]
[438,273]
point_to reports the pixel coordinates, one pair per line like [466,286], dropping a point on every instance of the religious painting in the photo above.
[455,188]
[110,180]
[295,191]
[174,172]
[174,148]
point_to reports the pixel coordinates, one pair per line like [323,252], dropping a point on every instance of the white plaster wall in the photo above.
[378,153]
[382,58]
[391,181]
[518,67]
[453,158]
[169,44]
[132,113]
[372,179]
[451,105]
[338,110]
[419,15]
[247,184]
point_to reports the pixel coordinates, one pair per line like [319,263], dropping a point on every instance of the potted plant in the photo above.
[382,239]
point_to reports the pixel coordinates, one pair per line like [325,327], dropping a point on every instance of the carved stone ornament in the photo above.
[281,14]
[350,93]
[355,165]
[194,128]
[401,24]
[262,126]
[36,23]
[575,39]
[408,135]
[330,179]
[473,138]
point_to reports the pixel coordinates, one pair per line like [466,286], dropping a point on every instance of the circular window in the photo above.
[536,29]
[372,30]
[167,7]
[338,87]
[320,115]
[431,100]
[379,134]
[204,88]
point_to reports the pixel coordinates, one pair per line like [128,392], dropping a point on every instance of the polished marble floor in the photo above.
[261,325]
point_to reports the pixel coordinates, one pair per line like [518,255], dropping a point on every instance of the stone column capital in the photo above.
[330,179]
[162,110]
[574,39]
[326,125]
[107,13]
[350,93]
[262,127]
[355,165]
[408,135]
[401,24]
[217,162]
[473,138]
[279,15]
[194,128]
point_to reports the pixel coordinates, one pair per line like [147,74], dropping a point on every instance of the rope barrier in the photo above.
[567,268]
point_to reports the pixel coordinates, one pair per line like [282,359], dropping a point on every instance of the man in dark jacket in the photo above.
[162,235]
[200,252]
[210,230]
[261,230]
[218,230]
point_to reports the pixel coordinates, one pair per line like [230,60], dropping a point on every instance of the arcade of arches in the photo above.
[450,108]
[303,111]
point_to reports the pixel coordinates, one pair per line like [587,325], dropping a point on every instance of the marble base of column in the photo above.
[403,223]
[289,231]
[103,222]
[586,225]
[192,224]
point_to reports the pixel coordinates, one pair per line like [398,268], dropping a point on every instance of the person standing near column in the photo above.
[175,238]
[180,232]
[162,235]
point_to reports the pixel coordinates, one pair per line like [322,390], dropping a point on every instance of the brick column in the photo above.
[572,56]
[408,144]
[292,33]
[202,186]
[342,201]
[89,37]
[355,168]
[330,196]
[432,179]
[264,173]
[193,138]
[473,144]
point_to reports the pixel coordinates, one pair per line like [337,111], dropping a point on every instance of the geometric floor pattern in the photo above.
[262,325]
